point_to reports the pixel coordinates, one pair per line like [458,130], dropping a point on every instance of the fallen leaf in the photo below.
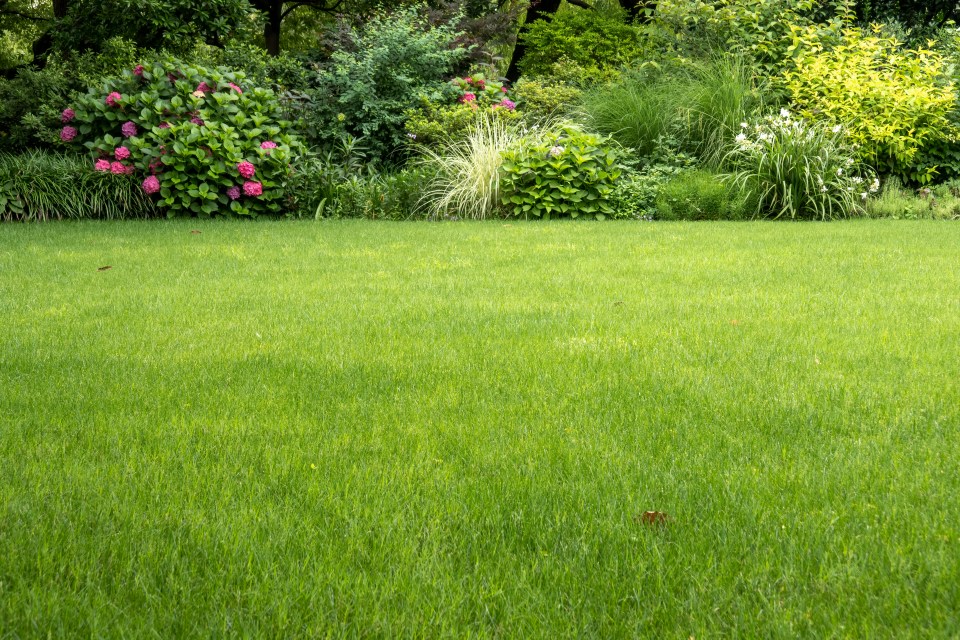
[618,303]
[104,268]
[734,322]
[651,518]
[194,231]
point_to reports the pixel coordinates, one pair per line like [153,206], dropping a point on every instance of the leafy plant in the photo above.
[546,98]
[699,195]
[197,137]
[894,201]
[434,124]
[892,101]
[367,88]
[797,169]
[561,172]
[39,185]
[467,172]
[591,40]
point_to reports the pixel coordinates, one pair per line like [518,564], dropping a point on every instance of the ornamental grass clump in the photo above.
[194,137]
[792,168]
[467,171]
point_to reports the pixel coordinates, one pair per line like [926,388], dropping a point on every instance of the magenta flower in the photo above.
[197,121]
[246,169]
[68,133]
[121,153]
[252,189]
[129,129]
[468,97]
[117,168]
[113,100]
[67,115]
[163,125]
[269,144]
[138,70]
[151,185]
[508,104]
[235,88]
[204,87]
[503,89]
[101,165]
[233,193]
[468,79]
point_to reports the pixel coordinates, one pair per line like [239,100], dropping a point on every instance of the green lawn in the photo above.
[295,429]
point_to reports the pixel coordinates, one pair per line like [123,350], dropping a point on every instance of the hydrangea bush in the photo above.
[201,140]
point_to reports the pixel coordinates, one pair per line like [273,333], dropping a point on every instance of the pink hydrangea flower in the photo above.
[151,185]
[203,87]
[269,144]
[67,115]
[117,168]
[197,121]
[468,97]
[235,88]
[113,99]
[121,153]
[101,165]
[246,169]
[68,133]
[503,89]
[508,104]
[468,79]
[252,189]
[233,193]
[138,70]
[129,129]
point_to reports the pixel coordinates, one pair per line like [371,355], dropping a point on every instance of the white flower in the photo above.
[849,162]
[555,151]
[839,172]
[863,195]
[784,113]
[857,180]
[741,138]
[744,125]
[837,129]
[823,189]
[875,186]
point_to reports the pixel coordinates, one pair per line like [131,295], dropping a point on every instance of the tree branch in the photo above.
[20,14]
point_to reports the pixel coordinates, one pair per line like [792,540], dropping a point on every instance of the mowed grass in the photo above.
[298,429]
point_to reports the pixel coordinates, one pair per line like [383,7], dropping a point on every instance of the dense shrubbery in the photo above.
[198,138]
[404,110]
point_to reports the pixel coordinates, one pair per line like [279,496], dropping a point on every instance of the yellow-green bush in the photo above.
[892,101]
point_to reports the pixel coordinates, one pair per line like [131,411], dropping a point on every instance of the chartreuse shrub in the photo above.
[40,185]
[199,139]
[892,101]
[596,42]
[792,168]
[563,172]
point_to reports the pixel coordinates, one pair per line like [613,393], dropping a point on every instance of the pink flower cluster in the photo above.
[468,97]
[67,115]
[246,169]
[235,88]
[203,87]
[102,165]
[129,129]
[507,104]
[269,144]
[233,193]
[118,168]
[121,153]
[151,185]
[252,189]
[68,133]
[138,70]
[197,121]
[113,100]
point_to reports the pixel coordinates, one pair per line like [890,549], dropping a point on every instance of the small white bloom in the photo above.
[555,151]
[784,113]
[839,172]
[837,129]
[857,180]
[875,186]
[823,189]
[744,125]
[849,162]
[741,138]
[863,195]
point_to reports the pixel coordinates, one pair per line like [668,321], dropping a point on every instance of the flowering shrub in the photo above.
[793,168]
[196,136]
[476,92]
[563,172]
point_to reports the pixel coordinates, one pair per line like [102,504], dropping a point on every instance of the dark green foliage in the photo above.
[589,39]
[562,173]
[386,66]
[173,24]
[699,195]
[38,186]
[921,16]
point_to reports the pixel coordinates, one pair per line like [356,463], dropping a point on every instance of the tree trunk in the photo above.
[60,8]
[271,29]
[538,10]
